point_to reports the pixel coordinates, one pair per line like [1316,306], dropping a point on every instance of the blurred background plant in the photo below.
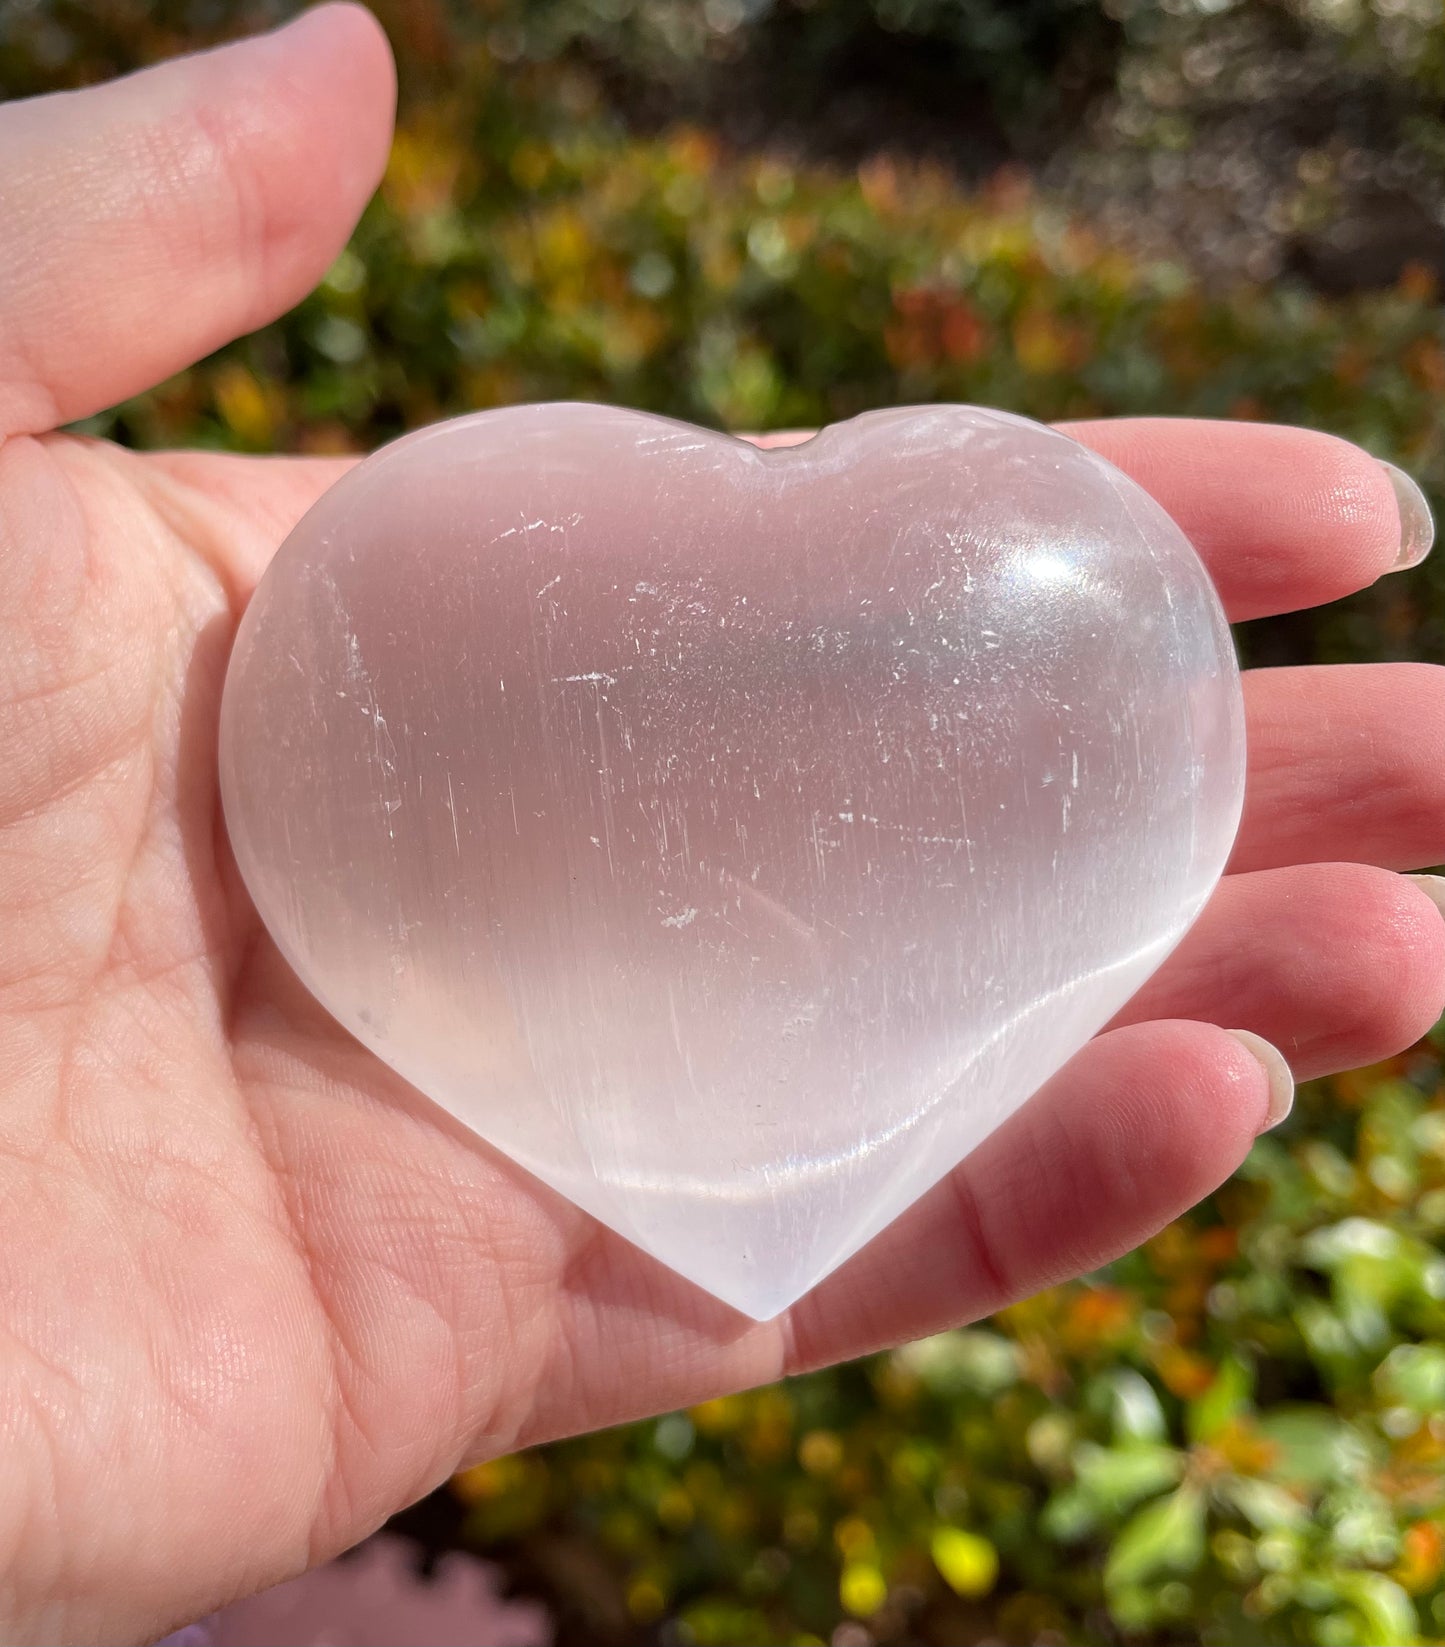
[763,213]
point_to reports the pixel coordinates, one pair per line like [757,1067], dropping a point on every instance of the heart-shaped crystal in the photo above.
[734,838]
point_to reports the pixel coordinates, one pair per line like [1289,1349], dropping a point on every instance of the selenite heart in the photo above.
[733,838]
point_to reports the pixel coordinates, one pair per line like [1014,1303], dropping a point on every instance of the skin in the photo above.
[255,1293]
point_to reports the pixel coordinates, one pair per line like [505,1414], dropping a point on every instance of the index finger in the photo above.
[1283,518]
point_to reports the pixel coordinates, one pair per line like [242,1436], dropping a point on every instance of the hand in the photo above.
[255,1293]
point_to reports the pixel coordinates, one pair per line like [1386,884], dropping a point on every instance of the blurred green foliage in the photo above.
[525,246]
[1237,1433]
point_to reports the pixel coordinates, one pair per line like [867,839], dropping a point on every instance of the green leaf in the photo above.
[1069,1516]
[1134,1608]
[1385,1610]
[1116,1478]
[1227,1397]
[1166,1536]
[1316,1448]
[1264,1504]
[956,1363]
[1138,1414]
[1413,1375]
[1373,1268]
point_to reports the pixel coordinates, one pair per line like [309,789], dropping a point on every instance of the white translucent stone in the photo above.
[733,838]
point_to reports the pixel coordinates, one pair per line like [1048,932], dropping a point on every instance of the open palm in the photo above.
[255,1293]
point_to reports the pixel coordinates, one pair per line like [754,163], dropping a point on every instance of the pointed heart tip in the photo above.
[759,1297]
[750,1264]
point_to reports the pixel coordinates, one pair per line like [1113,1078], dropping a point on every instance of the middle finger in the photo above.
[1337,965]
[1346,763]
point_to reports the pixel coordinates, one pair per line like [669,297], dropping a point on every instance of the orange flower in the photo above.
[878,184]
[1098,1318]
[1242,1448]
[1425,362]
[934,327]
[1422,1557]
[693,151]
[1218,1245]
[1418,283]
[1185,1374]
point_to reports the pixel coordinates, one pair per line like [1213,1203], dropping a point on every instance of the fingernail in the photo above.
[1281,1077]
[1417,524]
[1433,886]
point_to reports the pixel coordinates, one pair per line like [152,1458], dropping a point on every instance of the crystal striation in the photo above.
[734,838]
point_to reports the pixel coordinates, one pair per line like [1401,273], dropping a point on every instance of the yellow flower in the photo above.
[645,1600]
[854,1537]
[248,407]
[967,1561]
[820,1452]
[862,1589]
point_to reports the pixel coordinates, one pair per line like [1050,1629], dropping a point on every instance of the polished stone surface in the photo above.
[733,838]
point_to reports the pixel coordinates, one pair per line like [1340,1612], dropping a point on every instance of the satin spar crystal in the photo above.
[733,838]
